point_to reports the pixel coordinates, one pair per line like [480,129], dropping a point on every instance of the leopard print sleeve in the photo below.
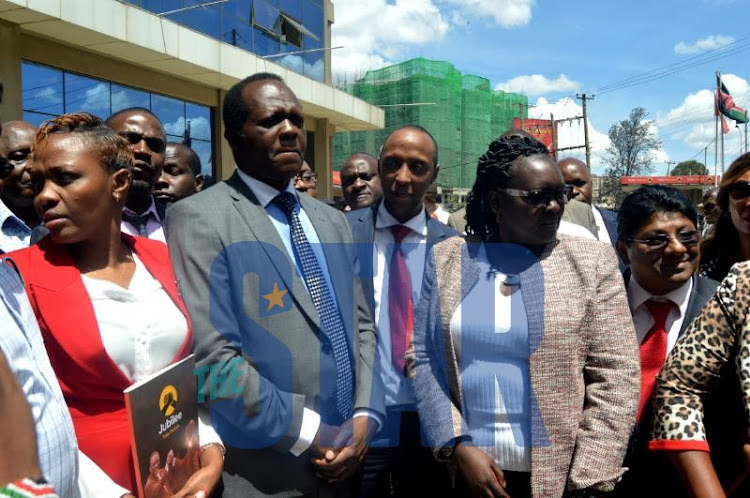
[694,364]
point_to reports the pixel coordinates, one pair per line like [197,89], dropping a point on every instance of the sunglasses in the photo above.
[308,177]
[660,241]
[739,190]
[542,197]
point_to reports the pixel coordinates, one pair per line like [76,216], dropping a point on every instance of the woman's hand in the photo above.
[203,482]
[481,474]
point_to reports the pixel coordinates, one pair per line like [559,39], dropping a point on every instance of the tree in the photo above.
[629,153]
[691,167]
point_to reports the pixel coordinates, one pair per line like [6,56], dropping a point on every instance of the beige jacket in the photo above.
[584,365]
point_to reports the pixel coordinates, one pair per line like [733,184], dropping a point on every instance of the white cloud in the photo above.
[199,127]
[692,122]
[373,32]
[570,133]
[505,13]
[703,45]
[536,84]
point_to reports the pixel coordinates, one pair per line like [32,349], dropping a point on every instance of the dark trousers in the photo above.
[517,485]
[403,468]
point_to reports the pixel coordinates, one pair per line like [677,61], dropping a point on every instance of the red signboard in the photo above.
[541,129]
[671,180]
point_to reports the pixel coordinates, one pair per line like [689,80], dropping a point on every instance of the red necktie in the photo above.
[653,350]
[399,299]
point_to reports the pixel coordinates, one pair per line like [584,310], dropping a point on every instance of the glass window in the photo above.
[42,89]
[199,117]
[239,10]
[203,149]
[312,17]
[238,33]
[265,14]
[265,44]
[124,97]
[291,7]
[206,19]
[49,92]
[36,118]
[87,94]
[171,112]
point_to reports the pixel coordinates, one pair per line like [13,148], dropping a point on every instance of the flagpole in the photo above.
[716,125]
[722,131]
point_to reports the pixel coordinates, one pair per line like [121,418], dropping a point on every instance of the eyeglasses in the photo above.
[155,144]
[739,191]
[542,197]
[660,241]
[307,178]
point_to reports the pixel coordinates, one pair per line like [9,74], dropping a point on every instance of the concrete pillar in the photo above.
[10,71]
[224,160]
[324,158]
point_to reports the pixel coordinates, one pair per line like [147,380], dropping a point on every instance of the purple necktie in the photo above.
[399,299]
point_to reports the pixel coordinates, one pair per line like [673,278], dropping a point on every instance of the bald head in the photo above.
[17,137]
[360,182]
[576,173]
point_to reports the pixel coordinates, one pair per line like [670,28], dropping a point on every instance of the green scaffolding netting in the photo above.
[462,112]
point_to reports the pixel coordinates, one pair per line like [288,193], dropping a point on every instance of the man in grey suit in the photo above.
[284,340]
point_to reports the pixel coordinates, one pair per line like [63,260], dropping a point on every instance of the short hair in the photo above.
[415,127]
[113,151]
[193,160]
[132,110]
[493,171]
[639,206]
[234,109]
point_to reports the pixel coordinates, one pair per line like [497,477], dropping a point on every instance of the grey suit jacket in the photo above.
[262,357]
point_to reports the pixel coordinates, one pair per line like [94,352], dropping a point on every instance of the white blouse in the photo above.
[142,330]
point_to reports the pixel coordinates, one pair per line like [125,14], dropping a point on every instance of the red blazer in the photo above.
[91,382]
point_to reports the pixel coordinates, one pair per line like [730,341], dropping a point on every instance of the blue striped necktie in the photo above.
[321,296]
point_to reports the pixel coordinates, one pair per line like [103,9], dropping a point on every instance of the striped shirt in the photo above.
[21,343]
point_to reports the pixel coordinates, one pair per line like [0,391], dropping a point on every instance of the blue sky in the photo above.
[551,50]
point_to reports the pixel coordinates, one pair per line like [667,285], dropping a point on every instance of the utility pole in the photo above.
[521,105]
[554,135]
[669,167]
[583,98]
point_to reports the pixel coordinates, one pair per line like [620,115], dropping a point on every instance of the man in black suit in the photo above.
[395,234]
[284,341]
[659,241]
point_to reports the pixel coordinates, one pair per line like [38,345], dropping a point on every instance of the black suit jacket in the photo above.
[651,474]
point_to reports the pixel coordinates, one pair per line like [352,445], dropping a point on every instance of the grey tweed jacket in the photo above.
[584,363]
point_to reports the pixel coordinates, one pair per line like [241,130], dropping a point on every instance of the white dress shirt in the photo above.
[601,228]
[414,247]
[265,194]
[153,226]
[568,228]
[643,320]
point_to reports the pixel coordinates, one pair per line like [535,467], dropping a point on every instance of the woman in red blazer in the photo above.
[81,173]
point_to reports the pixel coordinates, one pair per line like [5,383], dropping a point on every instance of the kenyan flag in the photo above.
[726,106]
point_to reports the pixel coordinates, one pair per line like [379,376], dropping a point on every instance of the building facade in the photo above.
[177,58]
[461,111]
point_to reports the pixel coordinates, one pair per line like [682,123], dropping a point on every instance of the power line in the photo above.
[718,53]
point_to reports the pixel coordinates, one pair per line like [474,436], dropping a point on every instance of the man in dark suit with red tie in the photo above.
[395,235]
[659,241]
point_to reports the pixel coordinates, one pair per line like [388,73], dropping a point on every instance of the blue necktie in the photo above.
[321,296]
